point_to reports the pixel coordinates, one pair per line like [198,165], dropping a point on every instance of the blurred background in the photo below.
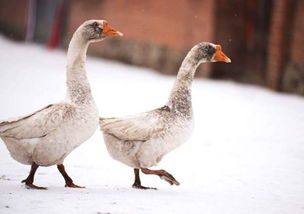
[264,38]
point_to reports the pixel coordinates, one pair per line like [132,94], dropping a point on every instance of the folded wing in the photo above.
[138,128]
[39,123]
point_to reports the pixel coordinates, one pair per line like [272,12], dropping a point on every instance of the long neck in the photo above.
[180,97]
[78,87]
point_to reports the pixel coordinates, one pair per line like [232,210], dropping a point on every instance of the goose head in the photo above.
[96,30]
[209,52]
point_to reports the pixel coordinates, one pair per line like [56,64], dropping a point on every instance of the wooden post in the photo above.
[279,41]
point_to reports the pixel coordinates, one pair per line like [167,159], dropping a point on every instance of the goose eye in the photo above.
[211,50]
[95,24]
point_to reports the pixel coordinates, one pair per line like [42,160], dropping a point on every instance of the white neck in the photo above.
[180,97]
[78,87]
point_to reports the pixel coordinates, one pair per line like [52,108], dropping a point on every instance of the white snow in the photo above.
[246,154]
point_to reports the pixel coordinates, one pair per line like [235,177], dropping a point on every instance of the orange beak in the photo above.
[220,56]
[109,31]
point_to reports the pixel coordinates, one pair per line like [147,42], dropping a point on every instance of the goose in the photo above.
[47,136]
[141,141]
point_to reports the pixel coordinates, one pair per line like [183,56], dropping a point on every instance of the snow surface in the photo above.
[245,155]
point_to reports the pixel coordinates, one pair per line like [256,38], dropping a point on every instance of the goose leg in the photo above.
[30,178]
[67,178]
[137,183]
[162,174]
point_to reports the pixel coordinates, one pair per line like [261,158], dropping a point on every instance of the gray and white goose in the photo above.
[141,141]
[47,136]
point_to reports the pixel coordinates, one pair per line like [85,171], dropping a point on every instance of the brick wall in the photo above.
[156,33]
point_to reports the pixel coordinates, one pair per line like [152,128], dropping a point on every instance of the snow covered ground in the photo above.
[245,155]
